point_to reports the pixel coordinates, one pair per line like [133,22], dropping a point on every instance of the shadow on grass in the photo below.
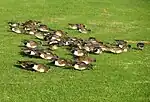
[51,64]
[26,55]
[134,48]
[18,66]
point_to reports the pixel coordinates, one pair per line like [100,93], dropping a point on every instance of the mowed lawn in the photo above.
[115,78]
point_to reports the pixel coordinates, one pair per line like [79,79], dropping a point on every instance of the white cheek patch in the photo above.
[98,51]
[76,66]
[42,56]
[28,45]
[87,49]
[82,31]
[121,46]
[16,31]
[32,53]
[67,43]
[13,29]
[35,67]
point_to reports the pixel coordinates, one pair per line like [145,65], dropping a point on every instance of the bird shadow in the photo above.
[29,56]
[51,64]
[134,48]
[19,67]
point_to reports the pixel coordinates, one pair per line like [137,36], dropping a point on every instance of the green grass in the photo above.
[115,78]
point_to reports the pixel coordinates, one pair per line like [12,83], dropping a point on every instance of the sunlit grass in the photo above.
[115,78]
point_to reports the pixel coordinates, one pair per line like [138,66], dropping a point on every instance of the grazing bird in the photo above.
[121,43]
[31,23]
[17,30]
[93,48]
[43,28]
[60,62]
[31,52]
[118,50]
[140,46]
[33,66]
[85,59]
[82,66]
[41,35]
[79,52]
[13,24]
[32,31]
[60,33]
[84,30]
[48,55]
[76,26]
[97,50]
[30,43]
[52,37]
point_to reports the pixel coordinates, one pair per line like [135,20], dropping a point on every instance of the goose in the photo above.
[14,24]
[75,26]
[52,37]
[33,66]
[97,50]
[43,28]
[60,62]
[32,31]
[31,22]
[82,66]
[30,43]
[47,55]
[79,52]
[93,48]
[118,50]
[31,52]
[140,46]
[121,43]
[85,59]
[84,30]
[17,30]
[60,33]
[41,35]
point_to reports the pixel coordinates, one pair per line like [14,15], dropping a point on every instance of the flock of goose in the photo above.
[52,39]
